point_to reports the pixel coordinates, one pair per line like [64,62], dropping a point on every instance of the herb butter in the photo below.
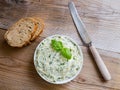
[52,66]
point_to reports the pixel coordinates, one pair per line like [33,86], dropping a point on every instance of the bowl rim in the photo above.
[64,81]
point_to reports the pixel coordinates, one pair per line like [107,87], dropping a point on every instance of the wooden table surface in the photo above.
[102,19]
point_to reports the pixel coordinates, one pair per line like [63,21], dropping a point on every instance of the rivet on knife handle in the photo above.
[86,39]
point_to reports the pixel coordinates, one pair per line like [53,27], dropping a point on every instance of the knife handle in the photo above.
[102,67]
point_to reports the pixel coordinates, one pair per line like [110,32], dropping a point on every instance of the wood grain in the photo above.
[17,70]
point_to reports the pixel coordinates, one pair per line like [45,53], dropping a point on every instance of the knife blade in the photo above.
[86,39]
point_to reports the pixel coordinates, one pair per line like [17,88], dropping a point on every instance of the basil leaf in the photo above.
[57,45]
[66,53]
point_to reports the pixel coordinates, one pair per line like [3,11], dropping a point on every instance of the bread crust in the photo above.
[40,28]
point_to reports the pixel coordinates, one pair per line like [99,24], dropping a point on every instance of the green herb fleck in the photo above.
[62,63]
[42,43]
[50,62]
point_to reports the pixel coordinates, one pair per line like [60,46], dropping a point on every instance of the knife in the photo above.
[87,41]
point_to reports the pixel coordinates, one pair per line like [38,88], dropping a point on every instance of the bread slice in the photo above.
[20,33]
[40,28]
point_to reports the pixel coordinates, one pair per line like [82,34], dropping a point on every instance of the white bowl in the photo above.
[42,73]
